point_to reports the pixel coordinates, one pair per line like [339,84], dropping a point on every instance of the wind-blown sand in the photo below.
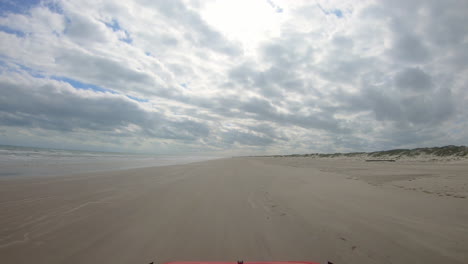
[344,211]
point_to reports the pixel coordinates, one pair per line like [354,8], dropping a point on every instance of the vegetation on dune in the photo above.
[446,151]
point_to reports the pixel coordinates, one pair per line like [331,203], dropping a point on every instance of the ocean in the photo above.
[27,161]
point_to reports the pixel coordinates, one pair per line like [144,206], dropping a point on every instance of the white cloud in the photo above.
[235,77]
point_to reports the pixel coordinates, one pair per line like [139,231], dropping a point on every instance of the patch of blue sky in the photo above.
[3,66]
[7,65]
[87,86]
[54,6]
[14,6]
[23,6]
[32,72]
[115,26]
[82,86]
[337,12]
[277,8]
[138,99]
[127,38]
[12,31]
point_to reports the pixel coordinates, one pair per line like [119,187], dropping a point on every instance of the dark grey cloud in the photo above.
[441,23]
[409,48]
[108,73]
[413,79]
[447,26]
[56,106]
[82,29]
[287,57]
[61,109]
[264,110]
[393,137]
[342,42]
[273,82]
[384,106]
[235,136]
[425,109]
[100,68]
[179,130]
[260,109]
[267,131]
[344,69]
[423,30]
[292,49]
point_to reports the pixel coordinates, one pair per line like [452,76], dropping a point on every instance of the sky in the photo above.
[242,77]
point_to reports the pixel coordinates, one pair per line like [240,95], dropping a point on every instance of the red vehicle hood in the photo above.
[245,262]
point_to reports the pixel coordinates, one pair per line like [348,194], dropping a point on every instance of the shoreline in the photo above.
[51,168]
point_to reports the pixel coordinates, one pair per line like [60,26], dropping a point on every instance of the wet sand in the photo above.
[344,211]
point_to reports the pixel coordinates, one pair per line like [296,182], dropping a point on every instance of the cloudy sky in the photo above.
[233,77]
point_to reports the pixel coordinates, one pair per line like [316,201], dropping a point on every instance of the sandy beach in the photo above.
[339,210]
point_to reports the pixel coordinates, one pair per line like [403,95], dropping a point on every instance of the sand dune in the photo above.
[345,211]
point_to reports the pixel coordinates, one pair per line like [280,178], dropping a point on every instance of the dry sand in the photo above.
[343,211]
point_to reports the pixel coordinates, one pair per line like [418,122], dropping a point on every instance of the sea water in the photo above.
[27,161]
